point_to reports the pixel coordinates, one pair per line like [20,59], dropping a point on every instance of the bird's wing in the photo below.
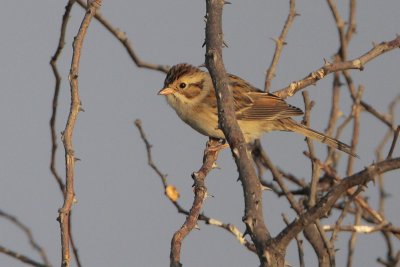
[266,106]
[254,104]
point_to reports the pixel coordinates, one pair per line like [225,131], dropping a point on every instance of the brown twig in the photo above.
[299,243]
[54,145]
[328,68]
[253,217]
[121,36]
[325,204]
[207,220]
[69,198]
[279,43]
[138,124]
[29,234]
[392,146]
[57,76]
[334,115]
[351,25]
[353,238]
[315,169]
[367,107]
[200,194]
[356,128]
[21,257]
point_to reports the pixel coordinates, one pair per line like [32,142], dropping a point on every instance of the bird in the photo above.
[190,92]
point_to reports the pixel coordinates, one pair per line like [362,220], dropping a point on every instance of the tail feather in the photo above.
[292,125]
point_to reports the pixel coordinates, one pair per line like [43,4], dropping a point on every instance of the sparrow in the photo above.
[190,92]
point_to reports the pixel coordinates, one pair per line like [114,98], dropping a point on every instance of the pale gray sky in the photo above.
[122,217]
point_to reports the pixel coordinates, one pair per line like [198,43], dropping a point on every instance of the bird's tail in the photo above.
[292,125]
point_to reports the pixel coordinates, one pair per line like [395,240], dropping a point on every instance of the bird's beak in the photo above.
[166,91]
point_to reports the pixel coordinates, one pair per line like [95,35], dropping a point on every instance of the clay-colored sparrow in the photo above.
[190,92]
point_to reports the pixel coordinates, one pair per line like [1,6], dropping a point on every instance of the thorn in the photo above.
[227,3]
[265,188]
[195,175]
[215,166]
[225,44]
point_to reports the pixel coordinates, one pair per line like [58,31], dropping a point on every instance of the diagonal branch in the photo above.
[279,43]
[200,193]
[328,68]
[121,36]
[325,204]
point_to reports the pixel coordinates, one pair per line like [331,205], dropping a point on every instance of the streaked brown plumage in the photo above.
[190,92]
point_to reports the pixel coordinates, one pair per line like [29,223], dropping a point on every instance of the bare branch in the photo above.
[357,63]
[21,257]
[253,217]
[29,234]
[121,36]
[326,203]
[208,220]
[200,194]
[69,198]
[279,43]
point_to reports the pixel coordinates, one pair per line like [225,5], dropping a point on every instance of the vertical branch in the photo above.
[57,76]
[334,116]
[279,43]
[353,238]
[200,194]
[69,197]
[356,128]
[253,217]
[315,168]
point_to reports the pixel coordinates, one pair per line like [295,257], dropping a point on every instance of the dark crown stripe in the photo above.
[178,71]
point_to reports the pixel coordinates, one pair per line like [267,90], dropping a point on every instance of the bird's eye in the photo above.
[182,85]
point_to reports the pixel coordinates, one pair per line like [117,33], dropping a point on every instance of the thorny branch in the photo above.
[328,68]
[64,212]
[253,217]
[211,221]
[279,43]
[32,242]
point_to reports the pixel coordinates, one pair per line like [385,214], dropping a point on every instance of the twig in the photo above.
[334,114]
[138,124]
[207,220]
[328,68]
[279,43]
[21,257]
[57,76]
[392,146]
[54,145]
[328,244]
[200,194]
[121,36]
[325,204]
[299,243]
[29,234]
[351,28]
[353,238]
[364,229]
[315,169]
[356,128]
[69,198]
